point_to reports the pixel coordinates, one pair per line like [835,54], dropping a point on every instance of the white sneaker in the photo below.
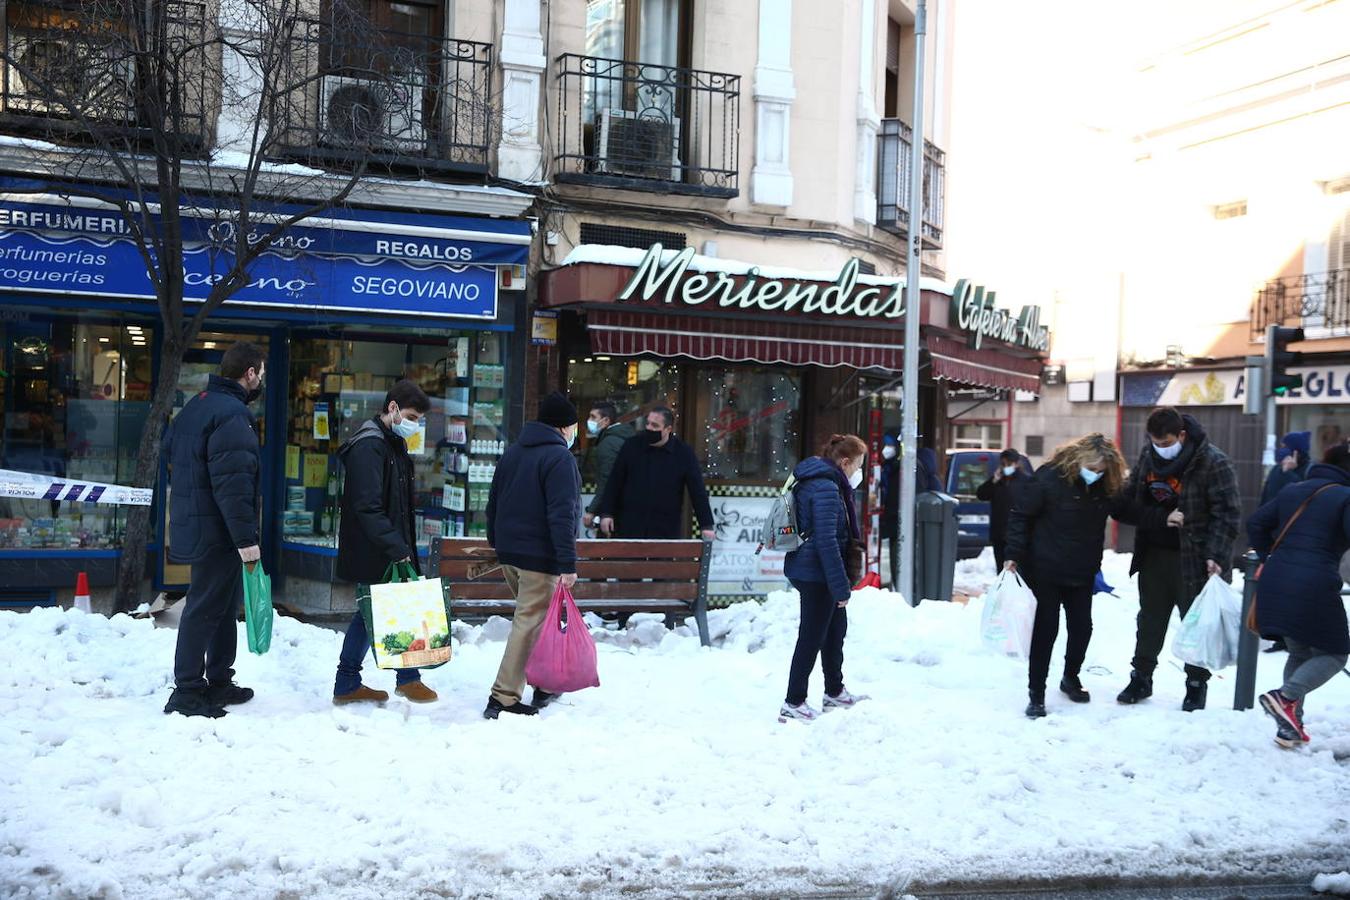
[844,700]
[802,713]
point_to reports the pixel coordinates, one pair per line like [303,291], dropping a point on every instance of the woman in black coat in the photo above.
[1299,598]
[1056,535]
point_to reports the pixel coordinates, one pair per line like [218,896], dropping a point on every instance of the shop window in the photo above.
[978,436]
[752,422]
[1035,445]
[633,385]
[336,385]
[76,396]
[652,32]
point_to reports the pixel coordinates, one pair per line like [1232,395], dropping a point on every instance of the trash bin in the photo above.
[935,546]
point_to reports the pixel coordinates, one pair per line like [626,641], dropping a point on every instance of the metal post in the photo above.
[910,412]
[1249,645]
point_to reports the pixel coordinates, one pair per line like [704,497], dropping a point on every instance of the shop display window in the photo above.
[338,383]
[633,385]
[76,396]
[752,421]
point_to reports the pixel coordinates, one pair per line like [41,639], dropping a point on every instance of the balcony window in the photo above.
[895,142]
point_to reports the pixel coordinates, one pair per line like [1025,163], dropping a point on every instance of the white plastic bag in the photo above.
[1008,617]
[1208,636]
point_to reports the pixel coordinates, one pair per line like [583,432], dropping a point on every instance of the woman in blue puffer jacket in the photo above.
[819,570]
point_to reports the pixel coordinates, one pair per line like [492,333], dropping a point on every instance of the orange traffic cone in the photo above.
[82,593]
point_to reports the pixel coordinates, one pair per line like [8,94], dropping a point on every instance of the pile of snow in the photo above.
[672,779]
[1338,884]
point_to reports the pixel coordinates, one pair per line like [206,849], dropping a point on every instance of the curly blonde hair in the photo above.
[1091,450]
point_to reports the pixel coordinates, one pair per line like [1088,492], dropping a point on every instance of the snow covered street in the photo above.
[675,776]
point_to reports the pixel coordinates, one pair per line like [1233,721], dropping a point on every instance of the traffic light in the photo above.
[1279,359]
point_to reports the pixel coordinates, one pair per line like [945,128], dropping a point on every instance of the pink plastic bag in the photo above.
[563,659]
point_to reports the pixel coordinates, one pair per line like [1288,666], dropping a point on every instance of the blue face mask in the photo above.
[1009,470]
[592,428]
[1089,477]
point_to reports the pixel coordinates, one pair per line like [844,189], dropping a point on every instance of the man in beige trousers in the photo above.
[532,518]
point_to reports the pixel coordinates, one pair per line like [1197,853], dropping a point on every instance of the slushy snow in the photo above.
[672,779]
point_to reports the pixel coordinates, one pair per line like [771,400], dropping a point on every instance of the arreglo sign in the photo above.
[1227,387]
[973,312]
[844,297]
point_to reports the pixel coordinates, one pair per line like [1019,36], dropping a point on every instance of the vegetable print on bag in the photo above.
[409,622]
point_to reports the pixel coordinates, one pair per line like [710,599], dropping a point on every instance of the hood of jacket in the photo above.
[370,428]
[927,457]
[537,434]
[1334,474]
[221,385]
[815,467]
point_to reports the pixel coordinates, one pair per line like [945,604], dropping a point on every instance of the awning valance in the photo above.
[953,361]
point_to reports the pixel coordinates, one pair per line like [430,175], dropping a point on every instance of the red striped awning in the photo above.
[954,361]
[628,333]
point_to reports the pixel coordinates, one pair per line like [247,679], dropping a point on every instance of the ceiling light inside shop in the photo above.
[602,359]
[104,340]
[134,329]
[210,345]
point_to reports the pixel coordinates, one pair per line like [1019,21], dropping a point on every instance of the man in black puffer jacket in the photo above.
[212,447]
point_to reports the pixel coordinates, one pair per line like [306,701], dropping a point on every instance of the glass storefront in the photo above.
[752,418]
[1326,422]
[632,385]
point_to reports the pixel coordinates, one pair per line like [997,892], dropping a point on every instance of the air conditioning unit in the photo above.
[384,114]
[68,72]
[637,146]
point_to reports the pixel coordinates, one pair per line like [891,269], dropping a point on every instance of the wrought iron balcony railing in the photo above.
[1318,301]
[388,98]
[893,183]
[639,126]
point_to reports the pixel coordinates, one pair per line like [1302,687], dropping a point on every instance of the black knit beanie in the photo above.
[557,410]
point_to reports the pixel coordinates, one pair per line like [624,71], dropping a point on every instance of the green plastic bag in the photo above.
[258,608]
[413,628]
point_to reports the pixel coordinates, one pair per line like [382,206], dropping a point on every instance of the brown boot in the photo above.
[362,694]
[417,692]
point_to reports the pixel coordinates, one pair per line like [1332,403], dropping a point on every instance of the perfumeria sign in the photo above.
[973,312]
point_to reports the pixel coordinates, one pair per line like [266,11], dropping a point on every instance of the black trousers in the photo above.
[1161,589]
[1076,600]
[821,633]
[999,558]
[207,633]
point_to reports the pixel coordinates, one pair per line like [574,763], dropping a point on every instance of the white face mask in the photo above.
[405,429]
[1009,470]
[888,452]
[593,428]
[1171,452]
[855,479]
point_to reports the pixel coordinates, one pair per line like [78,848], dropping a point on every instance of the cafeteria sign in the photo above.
[974,313]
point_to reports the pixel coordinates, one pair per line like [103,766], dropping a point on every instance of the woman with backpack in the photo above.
[823,570]
[1301,535]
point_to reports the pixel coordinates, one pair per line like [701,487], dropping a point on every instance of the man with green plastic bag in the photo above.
[377,529]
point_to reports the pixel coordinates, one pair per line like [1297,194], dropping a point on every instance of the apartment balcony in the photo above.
[894,179]
[388,99]
[1319,303]
[82,72]
[636,126]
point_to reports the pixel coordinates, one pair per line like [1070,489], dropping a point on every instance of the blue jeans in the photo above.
[354,650]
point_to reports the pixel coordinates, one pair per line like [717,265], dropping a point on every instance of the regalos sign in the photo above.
[973,312]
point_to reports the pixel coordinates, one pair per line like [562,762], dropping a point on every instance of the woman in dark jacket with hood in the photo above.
[1300,594]
[1056,535]
[819,570]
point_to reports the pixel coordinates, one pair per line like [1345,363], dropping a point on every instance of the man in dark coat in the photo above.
[1291,464]
[1000,492]
[532,523]
[212,447]
[377,528]
[1182,473]
[645,494]
[607,435]
[1300,595]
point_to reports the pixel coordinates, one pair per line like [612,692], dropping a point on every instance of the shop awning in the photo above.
[625,333]
[954,361]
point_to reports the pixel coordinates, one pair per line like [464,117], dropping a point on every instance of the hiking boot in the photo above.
[1071,687]
[1196,692]
[495,708]
[842,700]
[228,694]
[1139,688]
[801,712]
[362,694]
[417,692]
[187,702]
[1285,712]
[1036,706]
[539,699]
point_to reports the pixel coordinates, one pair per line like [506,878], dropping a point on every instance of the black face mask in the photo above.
[652,437]
[252,395]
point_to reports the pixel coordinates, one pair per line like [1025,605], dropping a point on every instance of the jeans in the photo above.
[1161,589]
[354,649]
[207,631]
[821,633]
[1307,669]
[1077,603]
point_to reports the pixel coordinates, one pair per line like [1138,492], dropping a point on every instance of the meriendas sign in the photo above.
[973,312]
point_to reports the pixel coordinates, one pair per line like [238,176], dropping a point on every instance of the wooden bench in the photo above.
[613,576]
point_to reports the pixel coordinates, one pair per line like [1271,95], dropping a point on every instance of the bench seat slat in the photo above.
[507,608]
[685,591]
[457,569]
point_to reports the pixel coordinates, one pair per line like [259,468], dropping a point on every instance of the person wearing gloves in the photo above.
[1292,460]
[1056,534]
[532,513]
[999,492]
[1300,595]
[377,528]
[827,519]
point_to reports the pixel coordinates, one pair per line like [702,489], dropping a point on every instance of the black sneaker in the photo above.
[1036,706]
[495,708]
[1276,646]
[1196,691]
[1072,688]
[192,703]
[539,699]
[1139,688]
[228,694]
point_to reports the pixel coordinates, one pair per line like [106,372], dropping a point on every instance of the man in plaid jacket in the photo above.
[1180,471]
